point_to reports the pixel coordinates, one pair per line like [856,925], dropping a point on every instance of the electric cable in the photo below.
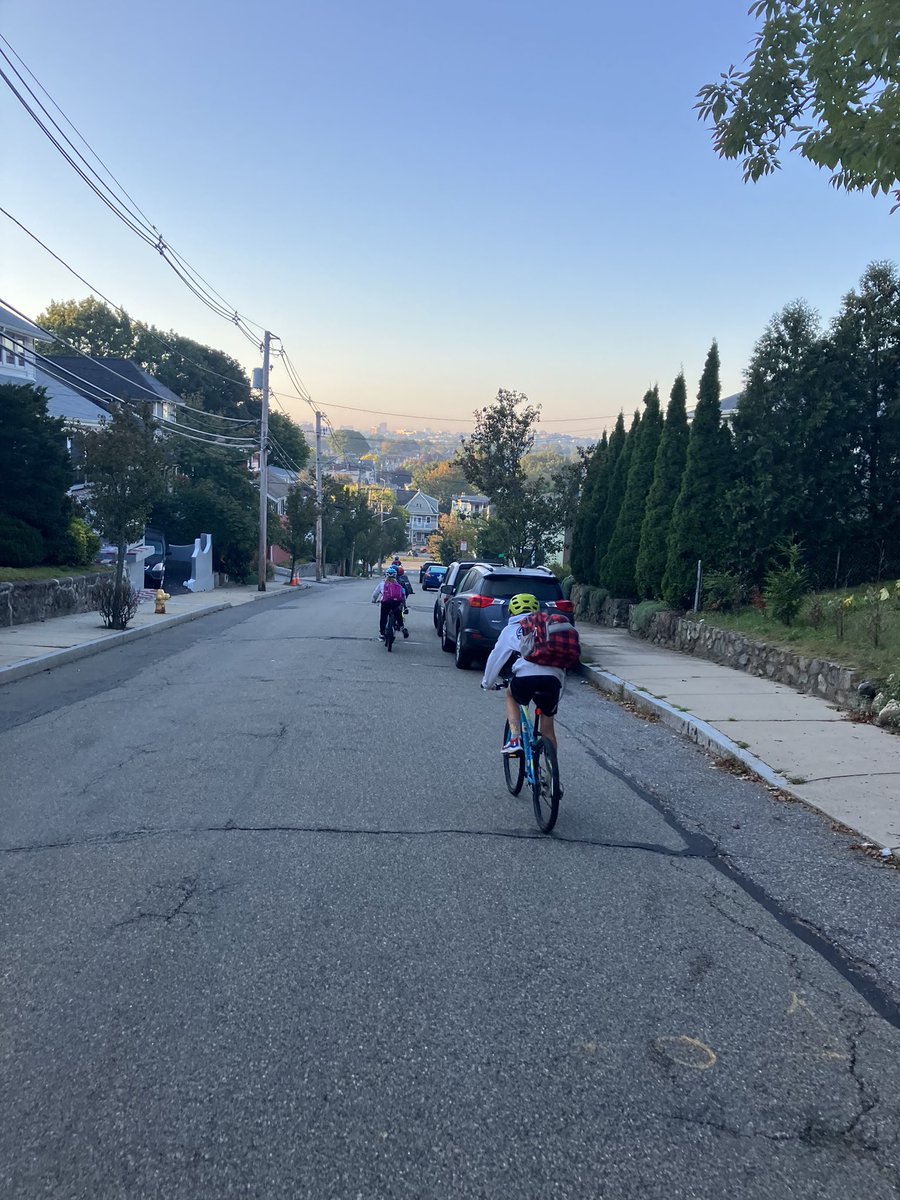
[98,394]
[126,210]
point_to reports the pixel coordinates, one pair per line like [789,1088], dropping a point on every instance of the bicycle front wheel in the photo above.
[513,767]
[545,791]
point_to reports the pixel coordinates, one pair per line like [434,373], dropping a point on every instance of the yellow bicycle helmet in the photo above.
[523,603]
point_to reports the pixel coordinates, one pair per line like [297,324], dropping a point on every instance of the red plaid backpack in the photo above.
[550,640]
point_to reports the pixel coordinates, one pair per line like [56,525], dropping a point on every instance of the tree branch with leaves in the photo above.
[823,77]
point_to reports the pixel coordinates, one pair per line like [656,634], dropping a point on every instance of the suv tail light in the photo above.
[566,606]
[480,601]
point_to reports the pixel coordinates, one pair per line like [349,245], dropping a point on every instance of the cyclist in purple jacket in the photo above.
[392,596]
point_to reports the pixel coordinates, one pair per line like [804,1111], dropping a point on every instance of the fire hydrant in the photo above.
[161,598]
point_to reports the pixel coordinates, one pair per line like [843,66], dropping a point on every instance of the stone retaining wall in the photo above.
[38,600]
[607,611]
[814,675]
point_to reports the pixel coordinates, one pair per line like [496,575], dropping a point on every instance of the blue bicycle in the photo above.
[537,763]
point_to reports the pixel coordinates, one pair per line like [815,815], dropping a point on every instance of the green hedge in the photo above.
[21,545]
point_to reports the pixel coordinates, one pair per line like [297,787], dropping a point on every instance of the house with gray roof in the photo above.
[104,380]
[423,518]
[20,365]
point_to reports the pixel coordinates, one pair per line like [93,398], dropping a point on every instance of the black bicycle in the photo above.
[536,762]
[390,630]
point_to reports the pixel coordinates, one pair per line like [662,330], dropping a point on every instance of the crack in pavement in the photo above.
[857,973]
[188,889]
[527,835]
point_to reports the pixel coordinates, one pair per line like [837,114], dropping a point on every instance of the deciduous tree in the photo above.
[124,463]
[824,77]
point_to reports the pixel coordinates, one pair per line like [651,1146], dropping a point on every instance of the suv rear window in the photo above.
[501,587]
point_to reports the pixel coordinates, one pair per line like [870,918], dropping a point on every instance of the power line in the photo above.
[126,210]
[151,332]
[155,396]
[57,371]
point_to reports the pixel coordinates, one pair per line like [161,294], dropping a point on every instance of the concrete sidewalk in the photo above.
[798,743]
[40,645]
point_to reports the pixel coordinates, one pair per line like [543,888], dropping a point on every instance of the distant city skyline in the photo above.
[426,203]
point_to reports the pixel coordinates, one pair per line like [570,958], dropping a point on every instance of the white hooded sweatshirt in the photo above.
[507,644]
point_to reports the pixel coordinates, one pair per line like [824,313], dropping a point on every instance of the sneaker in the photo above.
[513,746]
[405,631]
[381,637]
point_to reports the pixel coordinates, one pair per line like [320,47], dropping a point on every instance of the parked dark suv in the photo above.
[456,573]
[474,616]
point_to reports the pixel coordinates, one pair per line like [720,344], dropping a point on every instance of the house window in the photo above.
[12,352]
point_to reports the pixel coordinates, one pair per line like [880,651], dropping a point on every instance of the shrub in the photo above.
[816,612]
[78,546]
[873,609]
[642,614]
[115,608]
[722,591]
[21,545]
[595,600]
[786,585]
[837,608]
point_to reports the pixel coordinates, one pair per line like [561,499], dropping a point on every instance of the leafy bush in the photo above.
[567,585]
[642,614]
[116,608]
[78,546]
[815,612]
[786,585]
[595,600]
[722,591]
[21,545]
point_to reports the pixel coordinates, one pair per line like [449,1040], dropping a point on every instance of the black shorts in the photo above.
[544,690]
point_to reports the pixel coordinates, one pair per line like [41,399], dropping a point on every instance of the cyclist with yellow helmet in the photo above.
[530,681]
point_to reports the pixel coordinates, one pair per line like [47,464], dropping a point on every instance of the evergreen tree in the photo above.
[35,471]
[583,549]
[619,566]
[697,526]
[618,479]
[867,335]
[667,473]
[765,497]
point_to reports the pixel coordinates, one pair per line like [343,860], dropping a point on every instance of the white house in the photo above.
[104,380]
[18,365]
[471,506]
[423,518]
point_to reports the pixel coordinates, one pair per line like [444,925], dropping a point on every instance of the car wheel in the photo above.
[463,657]
[437,620]
[447,643]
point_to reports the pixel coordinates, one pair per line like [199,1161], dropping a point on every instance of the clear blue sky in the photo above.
[426,201]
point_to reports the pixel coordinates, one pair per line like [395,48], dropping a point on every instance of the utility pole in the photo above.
[319,564]
[263,467]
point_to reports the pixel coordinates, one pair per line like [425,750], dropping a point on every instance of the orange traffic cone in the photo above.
[295,580]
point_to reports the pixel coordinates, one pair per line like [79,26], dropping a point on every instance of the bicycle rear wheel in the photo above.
[389,631]
[545,791]
[513,767]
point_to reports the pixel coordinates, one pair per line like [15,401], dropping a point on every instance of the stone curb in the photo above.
[56,658]
[694,729]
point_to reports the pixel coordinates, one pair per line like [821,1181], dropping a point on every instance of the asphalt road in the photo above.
[272,926]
